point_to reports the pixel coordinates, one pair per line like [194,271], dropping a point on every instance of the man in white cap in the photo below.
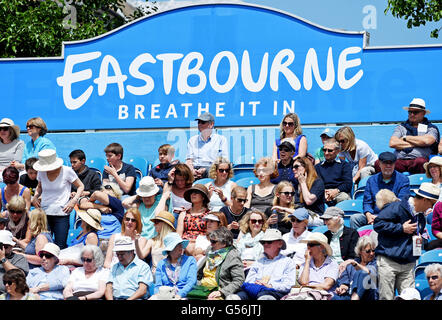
[205,148]
[131,277]
[396,225]
[415,139]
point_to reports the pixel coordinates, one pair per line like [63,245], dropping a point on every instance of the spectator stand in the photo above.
[416,180]
[421,282]
[97,164]
[359,190]
[246,182]
[350,207]
[244,170]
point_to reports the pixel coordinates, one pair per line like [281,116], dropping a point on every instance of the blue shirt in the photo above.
[125,281]
[32,148]
[204,153]
[57,280]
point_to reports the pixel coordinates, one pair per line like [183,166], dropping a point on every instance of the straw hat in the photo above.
[47,161]
[437,160]
[6,122]
[428,190]
[417,104]
[92,217]
[51,248]
[317,237]
[197,187]
[165,217]
[147,187]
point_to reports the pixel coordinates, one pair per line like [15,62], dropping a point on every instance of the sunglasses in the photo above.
[9,283]
[328,150]
[31,126]
[294,220]
[342,141]
[435,277]
[4,128]
[213,241]
[267,242]
[288,194]
[108,187]
[284,149]
[255,221]
[130,219]
[15,212]
[290,124]
[414,111]
[89,260]
[46,255]
[241,200]
[369,251]
[296,166]
[313,244]
[224,170]
[202,122]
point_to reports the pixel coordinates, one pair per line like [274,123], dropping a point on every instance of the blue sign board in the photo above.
[247,65]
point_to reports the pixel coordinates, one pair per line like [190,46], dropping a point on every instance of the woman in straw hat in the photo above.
[54,187]
[433,170]
[164,223]
[11,147]
[90,225]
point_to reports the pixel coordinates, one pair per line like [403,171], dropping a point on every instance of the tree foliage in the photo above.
[32,28]
[417,12]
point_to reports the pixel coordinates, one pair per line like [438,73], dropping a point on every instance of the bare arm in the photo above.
[141,291]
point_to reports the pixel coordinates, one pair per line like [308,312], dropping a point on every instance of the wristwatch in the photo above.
[3,260]
[404,138]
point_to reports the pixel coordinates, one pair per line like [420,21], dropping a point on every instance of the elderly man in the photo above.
[414,140]
[389,179]
[336,174]
[285,165]
[205,148]
[131,277]
[396,224]
[8,258]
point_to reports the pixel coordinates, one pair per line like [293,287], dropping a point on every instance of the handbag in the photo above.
[200,292]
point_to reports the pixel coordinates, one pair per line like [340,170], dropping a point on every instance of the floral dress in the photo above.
[194,225]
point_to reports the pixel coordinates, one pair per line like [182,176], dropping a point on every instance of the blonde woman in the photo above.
[18,219]
[357,152]
[290,127]
[283,205]
[221,187]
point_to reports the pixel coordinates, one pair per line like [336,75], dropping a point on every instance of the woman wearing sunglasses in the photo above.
[433,272]
[14,281]
[221,187]
[290,127]
[357,279]
[236,210]
[87,282]
[11,147]
[13,188]
[283,205]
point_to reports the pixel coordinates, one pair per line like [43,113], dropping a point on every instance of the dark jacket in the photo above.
[336,174]
[91,180]
[348,241]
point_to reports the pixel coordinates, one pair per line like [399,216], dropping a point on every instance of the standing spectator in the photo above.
[356,151]
[11,147]
[285,165]
[18,219]
[290,127]
[283,205]
[54,187]
[336,174]
[204,148]
[396,224]
[221,187]
[325,135]
[13,188]
[118,171]
[29,179]
[237,210]
[160,173]
[415,139]
[90,178]
[15,282]
[433,272]
[295,247]
[389,179]
[131,277]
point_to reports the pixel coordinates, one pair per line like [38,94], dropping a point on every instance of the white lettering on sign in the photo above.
[192,78]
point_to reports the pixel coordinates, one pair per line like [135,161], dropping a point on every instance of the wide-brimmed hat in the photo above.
[417,104]
[273,235]
[6,122]
[437,160]
[6,237]
[211,216]
[428,190]
[124,243]
[147,187]
[171,241]
[47,161]
[166,217]
[318,237]
[197,187]
[51,248]
[92,217]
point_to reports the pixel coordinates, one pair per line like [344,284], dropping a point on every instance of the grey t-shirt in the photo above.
[11,151]
[17,260]
[417,152]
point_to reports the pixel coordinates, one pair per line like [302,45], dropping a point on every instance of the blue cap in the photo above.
[171,241]
[328,132]
[300,214]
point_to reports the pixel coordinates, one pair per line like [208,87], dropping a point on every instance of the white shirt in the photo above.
[80,283]
[295,245]
[204,153]
[362,150]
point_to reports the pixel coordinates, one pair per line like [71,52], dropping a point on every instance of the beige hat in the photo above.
[6,237]
[417,104]
[147,187]
[428,190]
[437,160]
[92,217]
[318,237]
[124,244]
[272,235]
[6,122]
[166,217]
[47,161]
[51,248]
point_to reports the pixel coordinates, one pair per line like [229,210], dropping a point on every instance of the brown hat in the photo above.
[166,217]
[197,187]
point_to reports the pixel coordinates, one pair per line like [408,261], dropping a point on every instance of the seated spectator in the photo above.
[319,271]
[342,239]
[433,272]
[13,188]
[283,205]
[252,227]
[89,281]
[214,220]
[49,280]
[9,260]
[160,173]
[433,170]
[146,201]
[221,187]
[415,139]
[236,210]
[3,223]
[436,228]
[177,270]
[357,152]
[358,277]
[91,179]
[130,278]
[260,196]
[310,191]
[325,135]
[130,228]
[29,179]
[290,127]
[285,165]
[164,224]
[295,247]
[18,219]
[107,200]
[11,147]
[274,273]
[203,149]
[118,171]
[16,288]
[335,173]
[389,179]
[221,271]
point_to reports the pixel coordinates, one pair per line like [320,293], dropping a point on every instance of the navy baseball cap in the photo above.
[387,156]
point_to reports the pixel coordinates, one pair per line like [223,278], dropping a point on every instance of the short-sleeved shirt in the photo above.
[417,152]
[32,148]
[91,284]
[318,190]
[317,275]
[11,152]
[17,260]
[127,170]
[363,150]
[204,153]
[57,280]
